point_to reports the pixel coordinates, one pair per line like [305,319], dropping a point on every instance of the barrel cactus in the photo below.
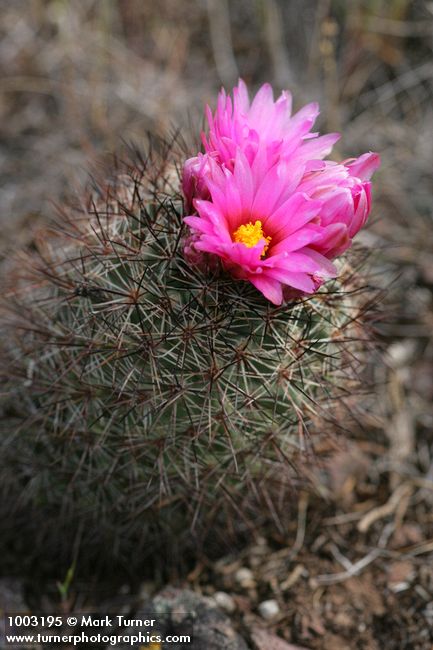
[150,400]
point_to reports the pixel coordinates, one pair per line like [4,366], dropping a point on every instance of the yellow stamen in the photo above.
[250,234]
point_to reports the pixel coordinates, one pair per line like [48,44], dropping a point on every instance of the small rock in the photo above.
[343,619]
[177,609]
[268,609]
[401,353]
[245,578]
[401,573]
[225,601]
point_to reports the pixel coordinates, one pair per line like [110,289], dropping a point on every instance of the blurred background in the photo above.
[78,78]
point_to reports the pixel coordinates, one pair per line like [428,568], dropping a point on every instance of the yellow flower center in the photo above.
[250,234]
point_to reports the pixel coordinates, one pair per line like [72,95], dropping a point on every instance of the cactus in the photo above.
[149,402]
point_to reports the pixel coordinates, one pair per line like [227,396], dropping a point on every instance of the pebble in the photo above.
[268,609]
[245,578]
[225,601]
[401,353]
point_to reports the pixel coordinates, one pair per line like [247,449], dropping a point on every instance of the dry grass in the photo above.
[76,78]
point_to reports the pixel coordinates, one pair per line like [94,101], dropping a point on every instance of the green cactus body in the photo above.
[146,395]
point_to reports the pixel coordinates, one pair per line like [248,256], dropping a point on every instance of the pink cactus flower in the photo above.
[194,174]
[265,202]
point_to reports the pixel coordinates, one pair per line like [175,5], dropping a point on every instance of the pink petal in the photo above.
[284,102]
[300,281]
[299,239]
[307,260]
[290,216]
[303,120]
[338,208]
[202,225]
[271,289]
[241,99]
[243,180]
[327,270]
[244,256]
[261,106]
[361,213]
[364,166]
[319,147]
[268,193]
[334,241]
